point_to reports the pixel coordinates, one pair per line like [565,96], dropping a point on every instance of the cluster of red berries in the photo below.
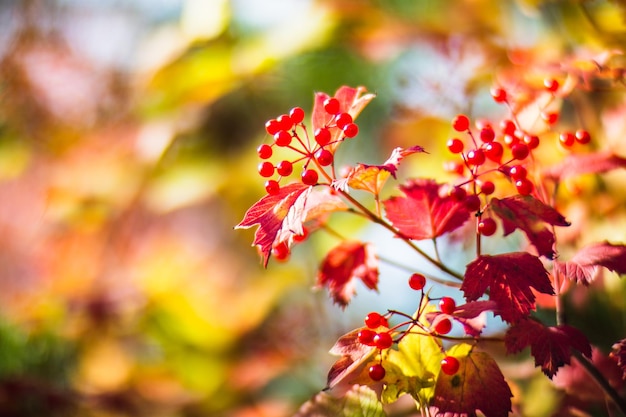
[289,131]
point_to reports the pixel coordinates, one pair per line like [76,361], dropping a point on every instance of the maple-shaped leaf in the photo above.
[358,401]
[549,345]
[618,354]
[585,265]
[591,163]
[510,278]
[425,211]
[271,212]
[470,315]
[478,385]
[345,263]
[372,178]
[532,217]
[351,101]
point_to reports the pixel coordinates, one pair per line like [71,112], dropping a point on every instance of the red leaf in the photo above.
[509,278]
[354,355]
[469,315]
[618,354]
[424,213]
[577,164]
[529,215]
[585,265]
[346,262]
[270,212]
[550,346]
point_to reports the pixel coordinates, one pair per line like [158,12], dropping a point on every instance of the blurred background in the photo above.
[128,131]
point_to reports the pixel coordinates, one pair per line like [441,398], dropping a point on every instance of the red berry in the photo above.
[417,281]
[549,117]
[567,139]
[518,172]
[476,157]
[331,105]
[454,167]
[551,84]
[285,122]
[350,130]
[322,136]
[264,151]
[524,186]
[272,126]
[447,305]
[455,145]
[284,168]
[282,138]
[280,251]
[383,340]
[520,151]
[366,337]
[309,177]
[444,326]
[266,169]
[472,202]
[343,119]
[272,187]
[376,372]
[499,94]
[532,141]
[582,136]
[487,226]
[508,127]
[494,151]
[301,237]
[487,134]
[460,123]
[374,320]
[458,193]
[297,115]
[450,365]
[487,187]
[324,157]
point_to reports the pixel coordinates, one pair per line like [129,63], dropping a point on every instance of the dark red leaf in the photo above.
[550,346]
[345,263]
[618,354]
[593,163]
[425,211]
[532,217]
[509,278]
[352,355]
[270,212]
[585,265]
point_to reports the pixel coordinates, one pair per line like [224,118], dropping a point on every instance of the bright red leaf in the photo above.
[585,265]
[271,212]
[550,346]
[578,164]
[509,278]
[532,217]
[425,211]
[345,263]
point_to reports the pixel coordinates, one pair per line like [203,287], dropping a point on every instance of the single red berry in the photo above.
[331,105]
[494,151]
[343,119]
[284,168]
[507,127]
[417,281]
[272,187]
[582,136]
[567,139]
[272,126]
[264,151]
[524,186]
[460,123]
[366,337]
[472,202]
[454,167]
[518,172]
[520,151]
[285,122]
[450,365]
[301,237]
[376,372]
[549,117]
[458,193]
[266,169]
[487,134]
[280,251]
[487,187]
[324,157]
[297,115]
[322,136]
[499,94]
[444,326]
[551,84]
[532,141]
[487,226]
[310,176]
[282,138]
[383,340]
[476,157]
[447,305]
[374,320]
[455,145]
[350,130]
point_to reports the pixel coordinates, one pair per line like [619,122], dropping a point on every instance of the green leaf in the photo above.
[359,401]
